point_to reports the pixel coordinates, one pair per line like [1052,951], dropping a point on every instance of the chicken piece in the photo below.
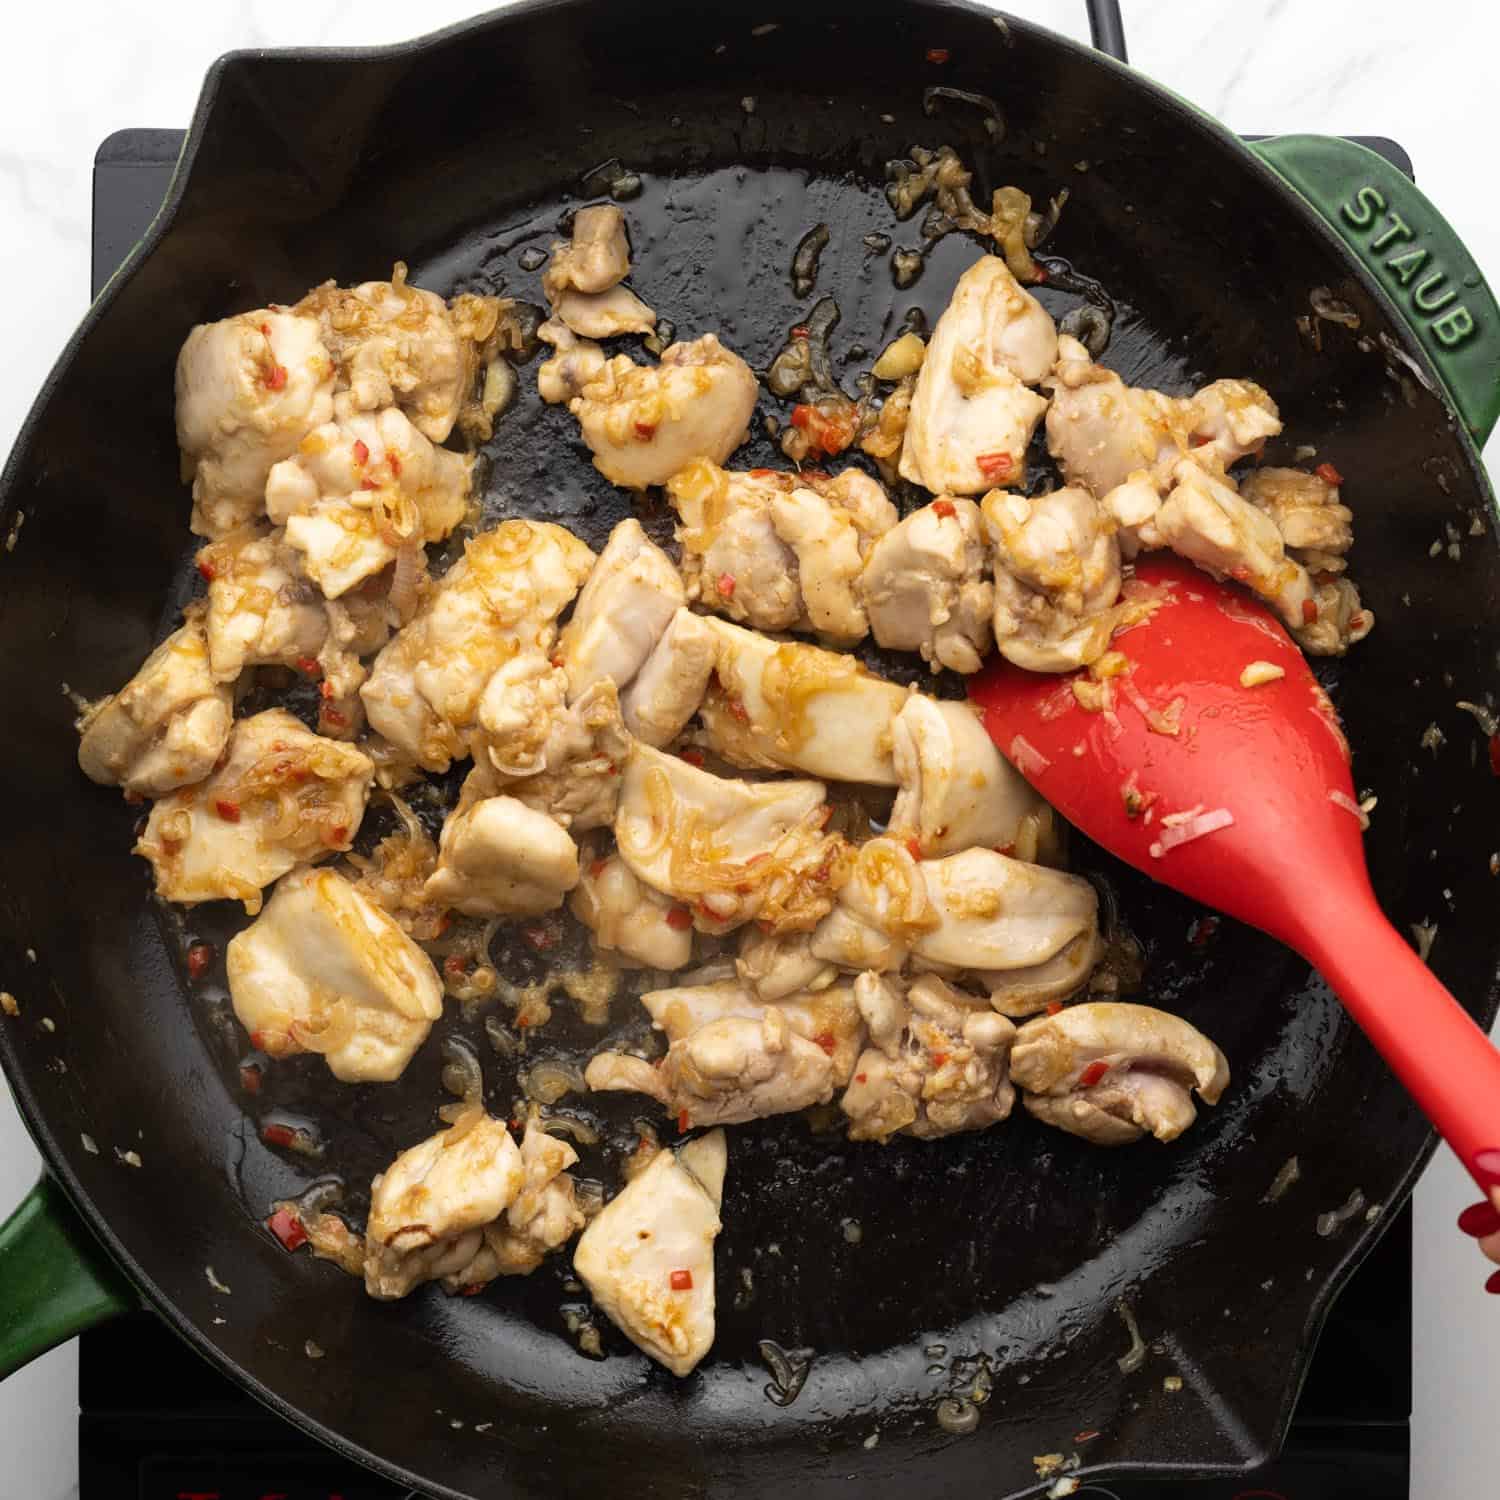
[670,685]
[731,850]
[501,598]
[519,713]
[955,790]
[428,1208]
[881,909]
[829,561]
[882,1006]
[262,609]
[398,345]
[166,727]
[626,916]
[972,415]
[360,488]
[498,857]
[1204,520]
[774,968]
[943,1072]
[1315,527]
[828,1017]
[281,797]
[576,363]
[644,424]
[1057,578]
[631,595]
[787,705]
[1231,419]
[597,258]
[924,589]
[323,969]
[603,315]
[1133,507]
[1340,619]
[648,1257]
[1023,992]
[1113,1073]
[543,1216]
[249,389]
[725,1072]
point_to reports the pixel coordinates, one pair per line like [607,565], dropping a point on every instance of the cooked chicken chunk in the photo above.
[731,850]
[398,345]
[603,315]
[1338,619]
[1057,578]
[880,911]
[166,727]
[500,858]
[670,685]
[829,556]
[282,797]
[322,969]
[597,258]
[520,712]
[924,586]
[1133,507]
[789,705]
[629,599]
[1024,991]
[576,362]
[249,389]
[972,415]
[1204,520]
[501,598]
[727,1071]
[1232,419]
[648,1258]
[1113,1073]
[773,968]
[644,424]
[943,1071]
[628,917]
[1315,527]
[360,488]
[955,788]
[428,1208]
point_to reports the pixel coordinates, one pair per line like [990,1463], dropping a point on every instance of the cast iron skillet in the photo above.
[1009,1250]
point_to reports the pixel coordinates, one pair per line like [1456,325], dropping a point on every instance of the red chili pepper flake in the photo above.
[1093,1073]
[1054,1007]
[394,459]
[278,1135]
[250,1079]
[258,1040]
[938,54]
[1085,1437]
[473,1289]
[229,811]
[540,936]
[325,688]
[1329,475]
[943,508]
[801,415]
[1203,930]
[679,918]
[265,329]
[939,1058]
[336,835]
[827,1041]
[308,664]
[645,431]
[1240,573]
[682,1281]
[1357,620]
[682,1119]
[207,569]
[1309,611]
[693,757]
[914,848]
[523,1022]
[1201,439]
[597,867]
[1041,272]
[763,473]
[725,583]
[369,484]
[287,1228]
[361,452]
[276,378]
[1495,754]
[199,957]
[737,710]
[861,1077]
[705,911]
[799,332]
[334,717]
[455,964]
[1006,849]
[995,465]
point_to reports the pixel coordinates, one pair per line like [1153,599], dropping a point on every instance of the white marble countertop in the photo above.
[83,69]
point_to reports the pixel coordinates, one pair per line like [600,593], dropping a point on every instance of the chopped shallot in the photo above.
[1344,800]
[1198,825]
[1028,760]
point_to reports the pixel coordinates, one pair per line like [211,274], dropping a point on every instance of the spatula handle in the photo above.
[1431,1043]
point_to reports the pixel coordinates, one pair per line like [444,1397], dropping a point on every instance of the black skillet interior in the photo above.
[1008,1252]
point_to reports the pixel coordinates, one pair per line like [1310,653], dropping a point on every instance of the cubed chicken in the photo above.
[1336,621]
[500,858]
[955,788]
[282,797]
[924,587]
[1316,528]
[429,1207]
[603,315]
[972,414]
[670,685]
[648,1258]
[629,599]
[519,713]
[597,257]
[944,1069]
[772,968]
[644,423]
[500,599]
[322,969]
[249,389]
[575,363]
[398,345]
[730,850]
[1113,1073]
[166,727]
[881,909]
[1025,991]
[797,707]
[1231,419]
[626,916]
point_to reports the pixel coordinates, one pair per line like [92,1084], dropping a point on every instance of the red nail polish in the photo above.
[1488,1162]
[1493,1284]
[1479,1219]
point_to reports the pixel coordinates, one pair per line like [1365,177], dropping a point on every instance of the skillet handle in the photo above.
[55,1278]
[1415,255]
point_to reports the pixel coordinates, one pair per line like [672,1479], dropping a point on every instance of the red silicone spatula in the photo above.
[1249,807]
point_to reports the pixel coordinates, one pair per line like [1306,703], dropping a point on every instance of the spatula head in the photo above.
[1205,768]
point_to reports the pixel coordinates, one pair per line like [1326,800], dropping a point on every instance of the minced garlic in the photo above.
[1259,672]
